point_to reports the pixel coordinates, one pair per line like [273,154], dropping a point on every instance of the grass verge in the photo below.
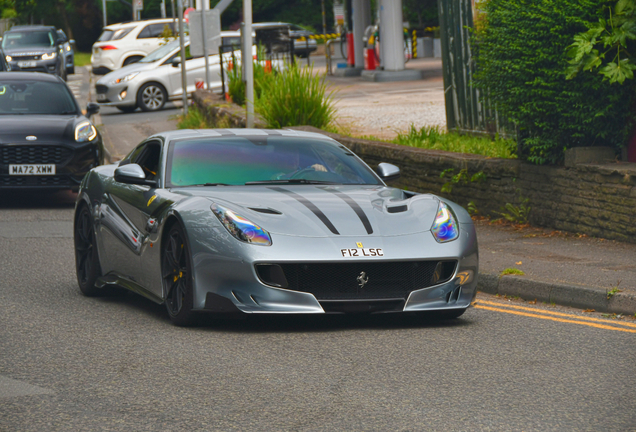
[82,58]
[435,139]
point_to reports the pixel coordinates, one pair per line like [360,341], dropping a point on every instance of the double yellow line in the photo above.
[555,316]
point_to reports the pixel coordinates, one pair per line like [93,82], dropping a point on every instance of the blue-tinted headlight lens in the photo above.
[445,227]
[241,228]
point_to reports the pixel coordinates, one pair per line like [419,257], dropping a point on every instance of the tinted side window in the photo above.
[145,33]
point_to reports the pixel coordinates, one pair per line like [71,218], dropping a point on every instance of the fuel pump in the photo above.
[371,60]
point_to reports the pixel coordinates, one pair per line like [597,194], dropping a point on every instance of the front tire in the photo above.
[151,97]
[86,259]
[176,272]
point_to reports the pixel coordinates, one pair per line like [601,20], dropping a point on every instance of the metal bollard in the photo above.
[328,55]
[414,44]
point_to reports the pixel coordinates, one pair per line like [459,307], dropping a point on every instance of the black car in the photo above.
[69,52]
[4,66]
[35,49]
[45,140]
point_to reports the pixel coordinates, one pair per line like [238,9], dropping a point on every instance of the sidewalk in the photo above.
[560,268]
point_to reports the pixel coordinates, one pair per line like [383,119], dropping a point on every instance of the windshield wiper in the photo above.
[212,184]
[288,181]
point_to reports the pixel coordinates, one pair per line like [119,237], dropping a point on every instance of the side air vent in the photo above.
[272,274]
[397,209]
[265,210]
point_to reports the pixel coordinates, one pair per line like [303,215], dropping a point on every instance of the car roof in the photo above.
[217,133]
[136,23]
[30,76]
[30,27]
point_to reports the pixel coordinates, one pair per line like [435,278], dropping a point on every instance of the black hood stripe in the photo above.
[356,208]
[311,206]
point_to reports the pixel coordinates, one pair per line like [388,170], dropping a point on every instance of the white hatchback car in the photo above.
[122,44]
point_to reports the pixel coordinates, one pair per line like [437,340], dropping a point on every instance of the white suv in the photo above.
[125,43]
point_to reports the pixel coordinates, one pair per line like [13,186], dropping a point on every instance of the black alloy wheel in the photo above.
[151,97]
[86,259]
[177,277]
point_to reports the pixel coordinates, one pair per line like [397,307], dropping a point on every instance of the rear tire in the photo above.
[86,259]
[131,60]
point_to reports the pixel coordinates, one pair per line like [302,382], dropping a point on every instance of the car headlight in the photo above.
[49,56]
[68,48]
[8,58]
[241,228]
[85,131]
[126,78]
[444,227]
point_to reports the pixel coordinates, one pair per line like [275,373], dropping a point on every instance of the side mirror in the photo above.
[132,174]
[72,42]
[92,108]
[388,172]
[176,61]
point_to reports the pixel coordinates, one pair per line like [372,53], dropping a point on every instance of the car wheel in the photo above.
[176,272]
[86,259]
[127,109]
[70,70]
[151,97]
[62,72]
[131,60]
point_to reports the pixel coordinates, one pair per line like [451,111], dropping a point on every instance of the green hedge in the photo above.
[521,60]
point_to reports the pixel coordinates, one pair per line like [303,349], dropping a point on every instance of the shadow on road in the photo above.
[114,112]
[37,199]
[263,323]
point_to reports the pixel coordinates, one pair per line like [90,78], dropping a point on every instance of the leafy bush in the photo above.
[521,61]
[294,97]
[608,43]
[435,139]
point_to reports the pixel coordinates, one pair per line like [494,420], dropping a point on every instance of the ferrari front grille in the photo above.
[360,280]
[26,154]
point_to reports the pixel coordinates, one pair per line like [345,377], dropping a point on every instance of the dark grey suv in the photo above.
[35,49]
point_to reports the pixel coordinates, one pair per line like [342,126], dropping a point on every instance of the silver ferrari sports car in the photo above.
[231,221]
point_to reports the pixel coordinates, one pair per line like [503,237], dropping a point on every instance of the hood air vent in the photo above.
[265,210]
[397,209]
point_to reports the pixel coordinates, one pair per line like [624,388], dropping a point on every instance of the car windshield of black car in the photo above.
[266,160]
[35,97]
[33,39]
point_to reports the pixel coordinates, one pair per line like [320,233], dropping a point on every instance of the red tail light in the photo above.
[108,47]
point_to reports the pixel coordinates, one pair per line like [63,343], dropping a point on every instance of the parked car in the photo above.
[249,221]
[35,49]
[155,79]
[122,44]
[69,52]
[302,48]
[46,142]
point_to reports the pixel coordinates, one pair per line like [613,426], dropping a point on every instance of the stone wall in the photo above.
[593,199]
[597,200]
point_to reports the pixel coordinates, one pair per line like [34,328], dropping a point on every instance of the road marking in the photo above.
[550,318]
[535,310]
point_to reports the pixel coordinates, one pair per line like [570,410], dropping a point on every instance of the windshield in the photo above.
[35,97]
[160,52]
[32,39]
[264,159]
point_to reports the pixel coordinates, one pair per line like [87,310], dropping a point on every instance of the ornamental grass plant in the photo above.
[296,96]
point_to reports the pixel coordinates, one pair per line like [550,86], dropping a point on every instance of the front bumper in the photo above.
[72,162]
[236,280]
[45,66]
[122,94]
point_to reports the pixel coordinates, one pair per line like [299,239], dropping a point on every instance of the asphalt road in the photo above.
[71,363]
